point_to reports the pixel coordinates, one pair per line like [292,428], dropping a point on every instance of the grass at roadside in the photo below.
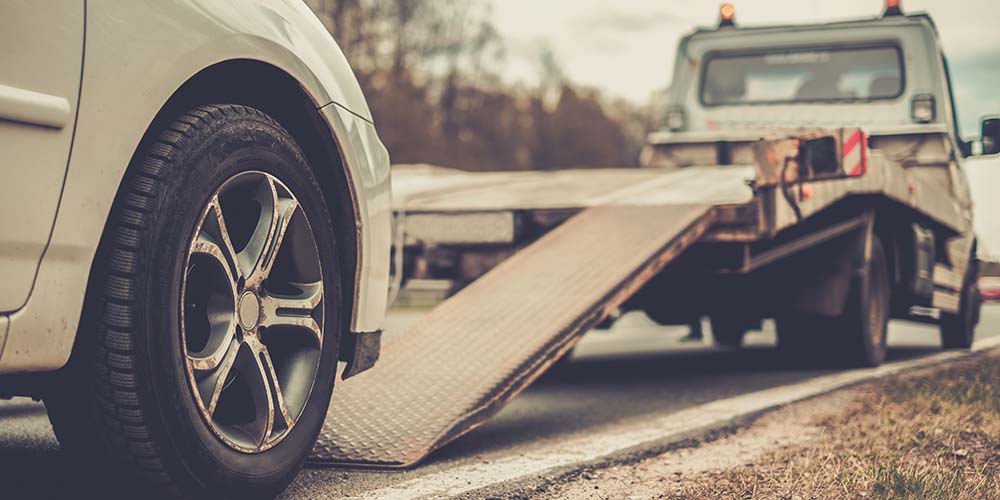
[933,435]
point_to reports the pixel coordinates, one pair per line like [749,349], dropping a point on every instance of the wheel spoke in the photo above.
[205,244]
[221,375]
[263,391]
[214,359]
[283,216]
[249,257]
[213,232]
[227,242]
[276,214]
[251,373]
[294,310]
[277,394]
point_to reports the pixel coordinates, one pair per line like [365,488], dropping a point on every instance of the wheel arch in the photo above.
[285,99]
[281,96]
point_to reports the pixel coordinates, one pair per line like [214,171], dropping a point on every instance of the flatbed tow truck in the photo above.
[811,174]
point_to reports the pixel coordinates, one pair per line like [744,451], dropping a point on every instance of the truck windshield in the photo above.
[802,75]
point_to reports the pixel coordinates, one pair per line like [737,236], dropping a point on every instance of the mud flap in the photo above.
[826,290]
[458,366]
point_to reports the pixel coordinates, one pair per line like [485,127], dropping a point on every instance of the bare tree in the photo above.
[431,72]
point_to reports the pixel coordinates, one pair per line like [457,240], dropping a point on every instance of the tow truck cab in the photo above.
[887,77]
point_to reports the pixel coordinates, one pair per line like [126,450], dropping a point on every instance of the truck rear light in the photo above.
[676,119]
[989,288]
[922,108]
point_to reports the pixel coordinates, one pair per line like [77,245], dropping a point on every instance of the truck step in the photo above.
[459,365]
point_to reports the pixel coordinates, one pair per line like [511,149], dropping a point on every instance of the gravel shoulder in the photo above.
[931,434]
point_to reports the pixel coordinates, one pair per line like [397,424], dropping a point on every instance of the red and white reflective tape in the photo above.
[856,153]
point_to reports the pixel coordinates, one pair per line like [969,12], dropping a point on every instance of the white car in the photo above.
[194,227]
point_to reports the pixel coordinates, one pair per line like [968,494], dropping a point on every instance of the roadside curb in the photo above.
[622,444]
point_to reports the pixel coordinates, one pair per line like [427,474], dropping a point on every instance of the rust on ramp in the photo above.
[459,365]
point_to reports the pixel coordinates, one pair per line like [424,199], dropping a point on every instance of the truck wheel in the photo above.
[958,330]
[728,331]
[857,337]
[861,330]
[205,360]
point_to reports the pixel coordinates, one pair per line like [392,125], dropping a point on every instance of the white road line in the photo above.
[648,433]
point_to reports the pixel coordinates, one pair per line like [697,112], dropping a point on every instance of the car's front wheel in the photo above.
[208,348]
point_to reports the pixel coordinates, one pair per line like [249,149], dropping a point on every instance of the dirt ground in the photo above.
[933,434]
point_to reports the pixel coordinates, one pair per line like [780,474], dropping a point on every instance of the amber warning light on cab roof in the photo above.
[727,15]
[893,8]
[727,12]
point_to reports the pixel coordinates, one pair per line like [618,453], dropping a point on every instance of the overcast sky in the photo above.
[626,47]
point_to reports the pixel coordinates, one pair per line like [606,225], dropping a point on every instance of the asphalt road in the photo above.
[629,372]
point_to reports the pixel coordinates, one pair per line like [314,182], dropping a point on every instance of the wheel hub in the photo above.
[249,310]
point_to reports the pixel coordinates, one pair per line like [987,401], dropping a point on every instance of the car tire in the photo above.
[958,330]
[140,403]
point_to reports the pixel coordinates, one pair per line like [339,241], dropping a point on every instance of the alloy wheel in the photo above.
[252,312]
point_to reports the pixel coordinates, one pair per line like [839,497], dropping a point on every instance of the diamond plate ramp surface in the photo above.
[460,364]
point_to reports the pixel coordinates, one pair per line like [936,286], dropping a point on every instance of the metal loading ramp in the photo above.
[459,365]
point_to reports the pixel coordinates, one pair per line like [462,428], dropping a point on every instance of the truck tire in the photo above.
[728,330]
[865,323]
[207,351]
[856,337]
[958,330]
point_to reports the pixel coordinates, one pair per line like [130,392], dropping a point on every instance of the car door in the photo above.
[40,70]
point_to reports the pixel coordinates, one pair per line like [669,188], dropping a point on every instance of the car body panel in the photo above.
[362,148]
[38,99]
[984,176]
[137,55]
[4,325]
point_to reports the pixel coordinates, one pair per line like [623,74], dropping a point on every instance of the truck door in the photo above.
[40,70]
[962,149]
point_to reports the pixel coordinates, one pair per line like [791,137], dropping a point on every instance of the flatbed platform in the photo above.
[430,189]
